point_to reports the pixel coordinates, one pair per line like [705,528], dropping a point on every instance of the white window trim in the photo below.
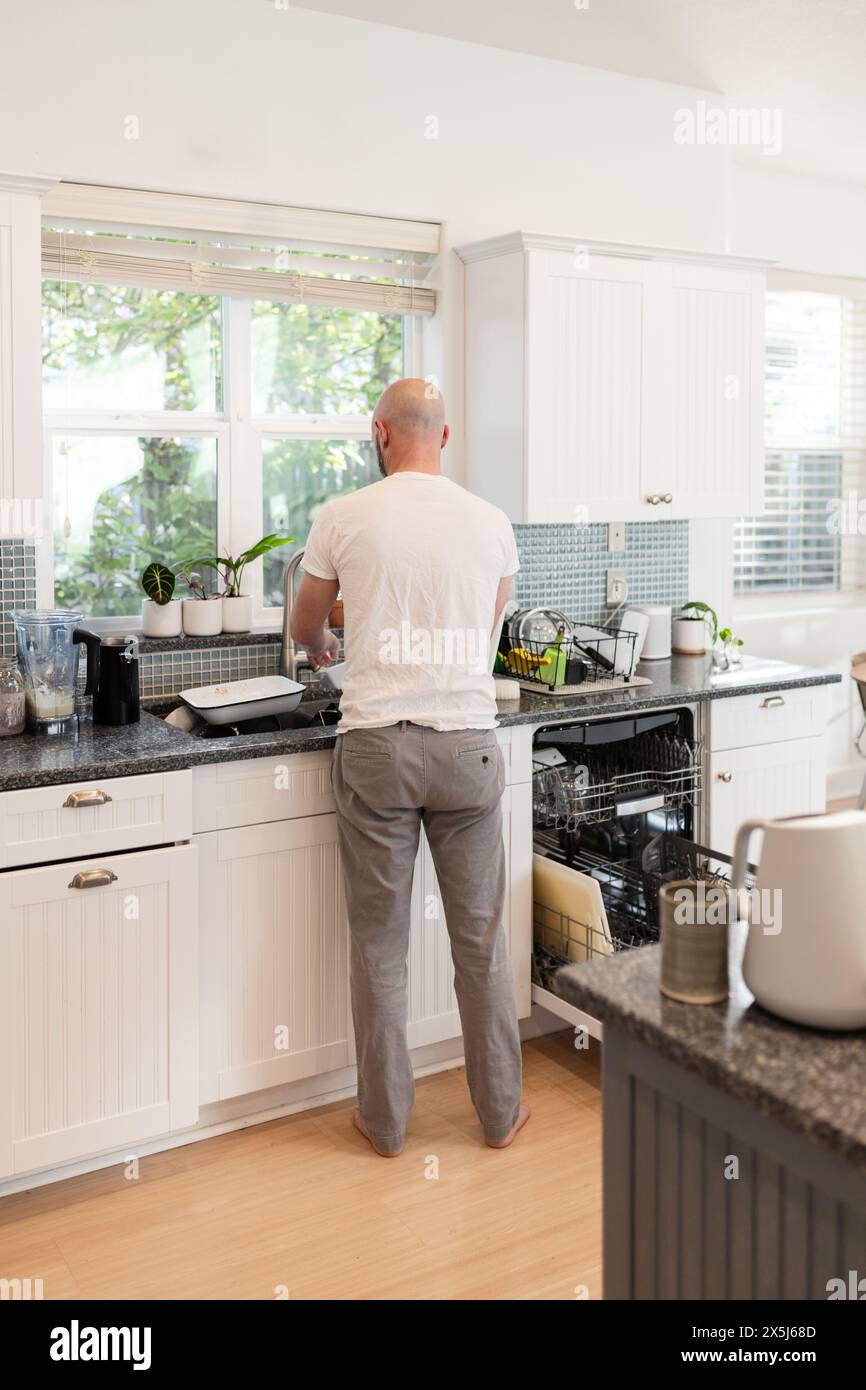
[787,603]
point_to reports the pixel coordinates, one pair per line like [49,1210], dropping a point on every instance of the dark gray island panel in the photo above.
[734,1143]
[677,1226]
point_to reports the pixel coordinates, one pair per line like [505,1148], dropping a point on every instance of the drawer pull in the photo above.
[92,798]
[772,702]
[668,497]
[654,499]
[725,776]
[93,878]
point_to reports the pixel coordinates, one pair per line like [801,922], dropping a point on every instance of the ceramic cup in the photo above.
[694,935]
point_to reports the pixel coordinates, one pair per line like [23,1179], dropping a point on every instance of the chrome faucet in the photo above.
[290,658]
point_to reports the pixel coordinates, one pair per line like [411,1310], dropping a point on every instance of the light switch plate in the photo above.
[616,536]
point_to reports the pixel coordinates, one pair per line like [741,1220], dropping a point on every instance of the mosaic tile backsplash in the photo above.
[566,566]
[17,587]
[164,673]
[562,567]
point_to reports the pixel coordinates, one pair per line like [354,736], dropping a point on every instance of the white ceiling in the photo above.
[805,57]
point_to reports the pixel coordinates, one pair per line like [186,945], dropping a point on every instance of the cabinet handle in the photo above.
[772,701]
[654,499]
[668,497]
[93,798]
[725,776]
[92,878]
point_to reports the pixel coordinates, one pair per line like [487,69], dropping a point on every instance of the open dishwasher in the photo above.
[615,814]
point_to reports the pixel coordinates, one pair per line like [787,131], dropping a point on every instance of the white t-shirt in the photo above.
[418,560]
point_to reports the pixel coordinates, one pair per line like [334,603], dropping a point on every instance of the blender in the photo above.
[48,654]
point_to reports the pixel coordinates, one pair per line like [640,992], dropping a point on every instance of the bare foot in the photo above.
[523,1116]
[362,1129]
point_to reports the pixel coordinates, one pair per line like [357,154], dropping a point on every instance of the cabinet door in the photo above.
[705,394]
[98,1006]
[274,959]
[433,1013]
[586,350]
[780,779]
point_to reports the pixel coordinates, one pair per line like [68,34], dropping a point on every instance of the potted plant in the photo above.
[690,628]
[160,611]
[238,606]
[202,612]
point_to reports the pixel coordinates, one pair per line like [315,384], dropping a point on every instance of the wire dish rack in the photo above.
[630,892]
[654,771]
[598,660]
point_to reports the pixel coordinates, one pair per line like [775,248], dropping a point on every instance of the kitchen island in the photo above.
[734,1142]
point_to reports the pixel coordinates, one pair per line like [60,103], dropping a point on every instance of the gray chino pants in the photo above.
[387,783]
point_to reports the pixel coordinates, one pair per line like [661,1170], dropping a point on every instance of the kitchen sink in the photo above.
[310,714]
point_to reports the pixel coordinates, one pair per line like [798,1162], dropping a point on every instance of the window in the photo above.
[811,536]
[199,393]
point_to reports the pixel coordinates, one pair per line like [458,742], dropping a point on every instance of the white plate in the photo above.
[229,701]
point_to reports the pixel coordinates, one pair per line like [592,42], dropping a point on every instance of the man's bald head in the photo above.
[409,426]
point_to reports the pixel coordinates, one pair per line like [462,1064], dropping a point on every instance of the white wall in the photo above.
[240,99]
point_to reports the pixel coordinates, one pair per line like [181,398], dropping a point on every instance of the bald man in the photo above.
[424,569]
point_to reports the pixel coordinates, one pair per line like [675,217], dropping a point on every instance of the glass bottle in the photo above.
[11,697]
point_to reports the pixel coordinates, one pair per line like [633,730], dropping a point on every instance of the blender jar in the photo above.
[48,656]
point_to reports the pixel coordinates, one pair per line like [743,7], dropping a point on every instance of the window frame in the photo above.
[852,553]
[239,436]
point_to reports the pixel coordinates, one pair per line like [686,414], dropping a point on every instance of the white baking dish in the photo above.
[229,702]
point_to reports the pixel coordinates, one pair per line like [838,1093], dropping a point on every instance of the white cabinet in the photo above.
[98,1005]
[767,759]
[612,382]
[779,779]
[705,397]
[273,957]
[587,346]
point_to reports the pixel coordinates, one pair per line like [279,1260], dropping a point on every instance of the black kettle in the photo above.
[112,677]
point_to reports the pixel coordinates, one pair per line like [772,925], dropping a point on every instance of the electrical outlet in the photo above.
[617,588]
[616,537]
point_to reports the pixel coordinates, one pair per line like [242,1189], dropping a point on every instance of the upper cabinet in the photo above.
[609,383]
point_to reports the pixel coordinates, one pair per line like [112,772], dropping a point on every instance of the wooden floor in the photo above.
[304,1203]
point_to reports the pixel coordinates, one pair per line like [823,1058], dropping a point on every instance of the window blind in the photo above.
[251,251]
[812,534]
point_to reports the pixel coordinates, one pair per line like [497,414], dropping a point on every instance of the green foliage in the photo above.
[158,583]
[233,566]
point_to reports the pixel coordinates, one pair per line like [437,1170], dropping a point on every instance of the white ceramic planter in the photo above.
[161,619]
[238,613]
[202,617]
[689,636]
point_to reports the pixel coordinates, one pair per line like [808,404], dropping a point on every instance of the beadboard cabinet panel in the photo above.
[587,348]
[98,1005]
[780,779]
[709,349]
[274,956]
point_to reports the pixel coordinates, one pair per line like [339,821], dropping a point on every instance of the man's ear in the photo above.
[446,435]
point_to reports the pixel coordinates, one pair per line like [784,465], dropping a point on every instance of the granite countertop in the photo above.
[808,1080]
[99,752]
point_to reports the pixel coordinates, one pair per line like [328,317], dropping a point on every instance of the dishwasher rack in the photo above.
[630,894]
[664,774]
